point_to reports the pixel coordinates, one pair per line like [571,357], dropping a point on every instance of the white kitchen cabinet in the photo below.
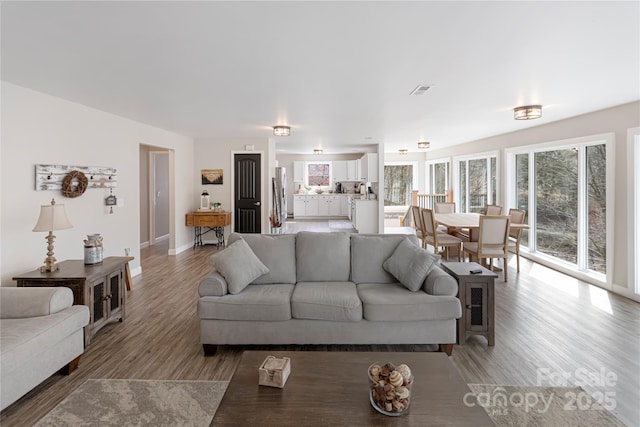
[369,167]
[329,205]
[344,205]
[352,170]
[298,171]
[339,171]
[299,206]
[325,205]
[305,206]
[359,170]
[365,216]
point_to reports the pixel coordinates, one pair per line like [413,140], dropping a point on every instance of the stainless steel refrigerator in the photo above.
[279,208]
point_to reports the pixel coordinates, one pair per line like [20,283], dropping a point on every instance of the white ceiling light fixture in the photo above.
[281,130]
[403,151]
[527,112]
[318,151]
[423,144]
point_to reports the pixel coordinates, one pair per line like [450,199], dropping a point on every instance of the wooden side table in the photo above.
[210,221]
[101,287]
[477,297]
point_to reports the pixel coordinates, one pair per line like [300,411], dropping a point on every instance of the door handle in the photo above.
[257,203]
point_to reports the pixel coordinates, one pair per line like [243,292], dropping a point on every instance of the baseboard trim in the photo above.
[180,249]
[136,272]
[144,245]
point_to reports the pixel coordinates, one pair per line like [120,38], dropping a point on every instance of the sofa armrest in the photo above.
[439,282]
[213,284]
[19,303]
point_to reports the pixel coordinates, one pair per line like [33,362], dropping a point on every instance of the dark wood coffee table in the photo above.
[331,388]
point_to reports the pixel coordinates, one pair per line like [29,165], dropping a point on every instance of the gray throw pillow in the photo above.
[410,264]
[238,265]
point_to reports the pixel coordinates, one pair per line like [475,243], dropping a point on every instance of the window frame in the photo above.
[429,181]
[580,269]
[455,174]
[318,162]
[633,173]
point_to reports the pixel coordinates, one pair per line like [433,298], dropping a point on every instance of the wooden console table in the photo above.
[477,297]
[208,221]
[98,286]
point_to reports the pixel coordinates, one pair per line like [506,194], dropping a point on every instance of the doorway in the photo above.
[155,196]
[247,193]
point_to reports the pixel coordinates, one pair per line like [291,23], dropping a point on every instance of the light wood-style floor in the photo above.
[548,326]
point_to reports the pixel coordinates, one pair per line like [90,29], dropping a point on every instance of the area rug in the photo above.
[100,402]
[509,406]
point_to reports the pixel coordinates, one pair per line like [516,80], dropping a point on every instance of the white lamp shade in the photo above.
[52,217]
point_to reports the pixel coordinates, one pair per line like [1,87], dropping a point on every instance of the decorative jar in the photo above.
[390,388]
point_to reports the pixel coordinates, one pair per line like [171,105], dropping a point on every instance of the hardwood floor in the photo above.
[548,325]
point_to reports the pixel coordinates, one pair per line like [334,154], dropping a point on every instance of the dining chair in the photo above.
[448,207]
[493,210]
[418,224]
[493,240]
[517,216]
[437,239]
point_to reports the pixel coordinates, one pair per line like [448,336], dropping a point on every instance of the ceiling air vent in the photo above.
[420,90]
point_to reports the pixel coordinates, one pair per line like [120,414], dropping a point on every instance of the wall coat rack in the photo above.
[50,177]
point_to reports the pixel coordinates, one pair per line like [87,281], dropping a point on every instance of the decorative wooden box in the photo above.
[274,372]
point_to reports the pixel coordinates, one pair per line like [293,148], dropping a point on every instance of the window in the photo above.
[564,187]
[318,173]
[400,178]
[437,177]
[476,182]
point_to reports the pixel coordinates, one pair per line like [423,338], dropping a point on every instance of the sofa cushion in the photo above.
[393,302]
[369,252]
[277,253]
[326,301]
[238,265]
[410,264]
[255,302]
[323,257]
[32,302]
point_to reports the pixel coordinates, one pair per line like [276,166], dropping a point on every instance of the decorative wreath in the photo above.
[68,189]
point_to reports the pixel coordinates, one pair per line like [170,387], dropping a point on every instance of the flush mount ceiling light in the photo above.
[527,112]
[281,130]
[423,144]
[403,151]
[317,151]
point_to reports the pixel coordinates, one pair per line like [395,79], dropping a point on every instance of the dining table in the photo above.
[469,221]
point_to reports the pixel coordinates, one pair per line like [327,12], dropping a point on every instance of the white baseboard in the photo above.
[144,245]
[136,271]
[180,249]
[625,292]
[161,238]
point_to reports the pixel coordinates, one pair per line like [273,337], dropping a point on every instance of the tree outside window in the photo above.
[398,183]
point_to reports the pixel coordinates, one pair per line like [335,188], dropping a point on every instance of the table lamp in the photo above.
[52,217]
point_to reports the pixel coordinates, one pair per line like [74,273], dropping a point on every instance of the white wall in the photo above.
[41,129]
[218,154]
[616,119]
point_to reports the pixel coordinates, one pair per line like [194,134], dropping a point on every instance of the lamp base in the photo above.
[49,268]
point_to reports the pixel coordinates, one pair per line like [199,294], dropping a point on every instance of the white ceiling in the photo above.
[338,73]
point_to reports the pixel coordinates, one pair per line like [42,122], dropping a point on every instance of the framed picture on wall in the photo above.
[211,176]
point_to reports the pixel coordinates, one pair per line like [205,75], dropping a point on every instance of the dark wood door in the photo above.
[248,188]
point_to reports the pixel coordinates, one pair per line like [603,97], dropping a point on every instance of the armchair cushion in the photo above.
[410,264]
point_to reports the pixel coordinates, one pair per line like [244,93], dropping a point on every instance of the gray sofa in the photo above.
[40,333]
[324,288]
